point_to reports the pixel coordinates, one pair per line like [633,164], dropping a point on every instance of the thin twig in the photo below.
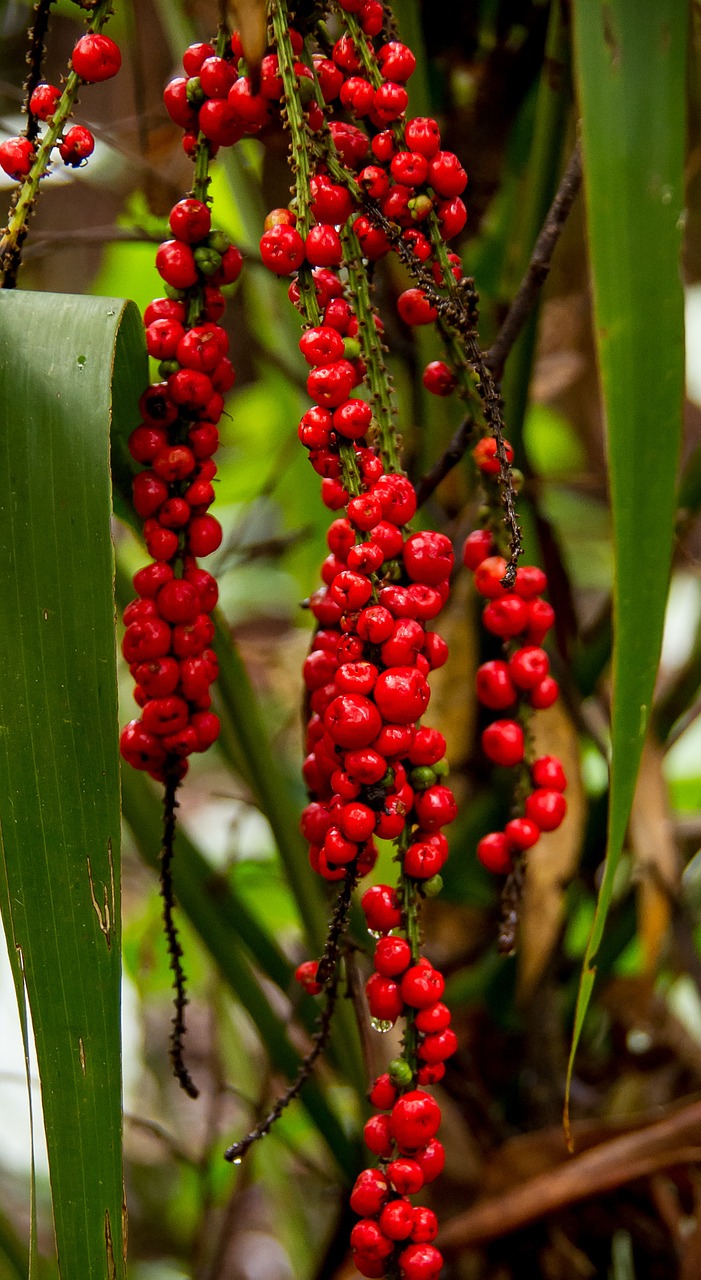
[449,459]
[538,267]
[175,951]
[328,975]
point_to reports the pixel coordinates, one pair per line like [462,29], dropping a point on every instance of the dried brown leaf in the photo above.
[655,855]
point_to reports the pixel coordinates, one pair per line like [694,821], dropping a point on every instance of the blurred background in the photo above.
[497,75]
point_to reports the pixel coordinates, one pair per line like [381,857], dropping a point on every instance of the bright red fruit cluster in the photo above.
[169,631]
[95,58]
[513,685]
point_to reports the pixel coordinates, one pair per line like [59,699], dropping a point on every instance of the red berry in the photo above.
[422,134]
[432,1018]
[381,907]
[485,455]
[425,1226]
[528,666]
[435,807]
[478,546]
[176,264]
[414,307]
[506,617]
[402,694]
[190,220]
[439,379]
[428,557]
[204,535]
[392,956]
[282,250]
[378,1136]
[405,1176]
[397,1219]
[521,833]
[431,1160]
[44,101]
[397,62]
[495,688]
[415,1119]
[420,1262]
[547,771]
[305,974]
[384,999]
[446,174]
[96,57]
[494,852]
[16,157]
[488,577]
[546,808]
[544,694]
[369,1192]
[502,742]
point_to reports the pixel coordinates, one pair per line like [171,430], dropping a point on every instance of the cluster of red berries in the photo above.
[169,631]
[95,58]
[516,684]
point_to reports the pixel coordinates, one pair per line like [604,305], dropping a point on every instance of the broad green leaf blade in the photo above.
[630,74]
[59,777]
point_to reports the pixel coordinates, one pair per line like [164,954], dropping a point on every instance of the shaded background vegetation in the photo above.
[506,107]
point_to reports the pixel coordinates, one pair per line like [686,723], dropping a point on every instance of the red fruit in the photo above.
[544,694]
[495,853]
[140,749]
[177,104]
[96,58]
[402,695]
[352,419]
[541,617]
[428,747]
[384,998]
[391,100]
[422,985]
[159,677]
[452,216]
[194,56]
[44,101]
[381,907]
[392,956]
[439,379]
[397,62]
[547,771]
[425,1227]
[162,338]
[323,247]
[16,157]
[165,309]
[148,493]
[378,1135]
[488,577]
[478,546]
[176,264]
[423,860]
[162,716]
[437,1046]
[252,109]
[282,250]
[521,833]
[366,766]
[414,307]
[506,617]
[350,142]
[546,808]
[367,1238]
[216,77]
[321,345]
[331,384]
[485,455]
[415,1119]
[446,174]
[530,581]
[206,726]
[435,807]
[305,974]
[495,688]
[331,203]
[405,642]
[422,134]
[397,1219]
[529,666]
[405,1176]
[357,821]
[420,1262]
[428,557]
[369,1192]
[149,580]
[178,601]
[431,1160]
[383,1094]
[352,720]
[204,535]
[502,742]
[409,168]
[432,1018]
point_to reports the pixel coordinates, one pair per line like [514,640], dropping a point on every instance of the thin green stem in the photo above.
[372,351]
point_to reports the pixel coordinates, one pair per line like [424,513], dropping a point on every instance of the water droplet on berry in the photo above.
[375,933]
[237,1160]
[381,1025]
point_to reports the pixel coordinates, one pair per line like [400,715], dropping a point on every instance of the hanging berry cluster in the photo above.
[368,182]
[27,157]
[169,630]
[514,685]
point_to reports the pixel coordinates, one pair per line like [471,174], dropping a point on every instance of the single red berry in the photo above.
[204,535]
[547,771]
[414,307]
[420,1262]
[381,907]
[397,1219]
[16,157]
[488,577]
[194,56]
[402,694]
[494,852]
[282,250]
[383,1094]
[544,694]
[422,985]
[432,1018]
[96,57]
[521,833]
[446,174]
[190,220]
[502,742]
[378,1136]
[495,688]
[478,546]
[431,1160]
[546,808]
[305,974]
[392,956]
[425,1226]
[428,557]
[485,456]
[435,807]
[405,1176]
[397,62]
[506,617]
[391,100]
[369,1192]
[44,101]
[176,264]
[415,1119]
[439,379]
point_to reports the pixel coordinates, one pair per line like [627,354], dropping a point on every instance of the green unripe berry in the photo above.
[208,261]
[441,768]
[194,92]
[351,348]
[399,1071]
[421,777]
[176,295]
[219,241]
[431,888]
[166,367]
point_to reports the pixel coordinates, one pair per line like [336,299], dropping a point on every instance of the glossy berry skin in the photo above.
[16,157]
[44,101]
[78,143]
[305,974]
[547,771]
[369,1193]
[420,1262]
[282,250]
[546,808]
[381,907]
[422,985]
[392,956]
[96,57]
[415,1119]
[494,852]
[495,687]
[438,378]
[502,742]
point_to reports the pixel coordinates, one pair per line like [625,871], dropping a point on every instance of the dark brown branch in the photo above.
[35,61]
[175,951]
[328,975]
[440,469]
[538,267]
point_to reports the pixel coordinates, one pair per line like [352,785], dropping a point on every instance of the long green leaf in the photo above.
[59,778]
[630,71]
